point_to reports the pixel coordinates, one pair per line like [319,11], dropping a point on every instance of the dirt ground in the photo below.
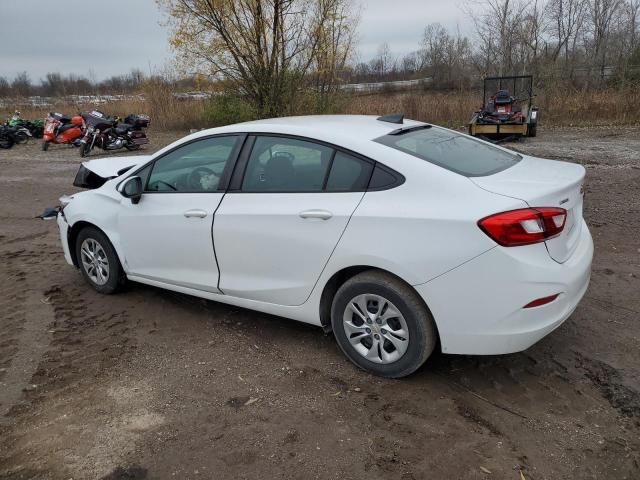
[153,384]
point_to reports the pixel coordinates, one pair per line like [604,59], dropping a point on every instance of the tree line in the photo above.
[582,43]
[55,84]
[292,55]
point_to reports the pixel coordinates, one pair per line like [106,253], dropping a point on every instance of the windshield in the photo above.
[453,151]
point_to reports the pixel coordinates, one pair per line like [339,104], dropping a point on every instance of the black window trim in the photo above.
[235,170]
[237,177]
[226,173]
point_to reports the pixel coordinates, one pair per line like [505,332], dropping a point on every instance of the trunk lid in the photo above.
[544,183]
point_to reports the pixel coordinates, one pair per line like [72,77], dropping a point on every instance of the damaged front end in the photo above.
[87,178]
[96,173]
[50,213]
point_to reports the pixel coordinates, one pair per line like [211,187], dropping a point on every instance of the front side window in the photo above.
[453,151]
[280,164]
[194,168]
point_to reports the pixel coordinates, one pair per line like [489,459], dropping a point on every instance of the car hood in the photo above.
[114,166]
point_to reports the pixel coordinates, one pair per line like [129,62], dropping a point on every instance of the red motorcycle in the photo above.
[59,129]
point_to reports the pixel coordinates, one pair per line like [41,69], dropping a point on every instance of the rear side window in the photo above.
[453,151]
[348,173]
[280,164]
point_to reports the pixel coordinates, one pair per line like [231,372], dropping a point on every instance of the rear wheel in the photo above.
[132,147]
[45,145]
[382,325]
[98,261]
[533,129]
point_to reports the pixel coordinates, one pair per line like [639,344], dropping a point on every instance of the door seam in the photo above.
[213,242]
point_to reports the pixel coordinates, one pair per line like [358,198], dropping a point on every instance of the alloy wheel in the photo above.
[95,262]
[376,328]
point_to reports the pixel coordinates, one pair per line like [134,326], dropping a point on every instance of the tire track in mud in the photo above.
[56,341]
[609,382]
[23,333]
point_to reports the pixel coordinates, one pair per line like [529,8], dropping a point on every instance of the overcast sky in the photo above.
[100,39]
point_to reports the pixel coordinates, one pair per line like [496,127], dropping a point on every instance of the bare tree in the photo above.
[565,19]
[335,29]
[5,88]
[601,16]
[495,24]
[633,17]
[264,49]
[530,32]
[21,85]
[383,62]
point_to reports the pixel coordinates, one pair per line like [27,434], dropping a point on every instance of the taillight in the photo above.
[524,226]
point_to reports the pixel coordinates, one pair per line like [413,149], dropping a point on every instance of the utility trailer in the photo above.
[507,110]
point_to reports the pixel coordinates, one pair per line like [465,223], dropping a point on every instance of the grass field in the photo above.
[453,109]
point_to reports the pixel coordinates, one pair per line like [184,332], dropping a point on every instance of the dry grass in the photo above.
[557,108]
[576,108]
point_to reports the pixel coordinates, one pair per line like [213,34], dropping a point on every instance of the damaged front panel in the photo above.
[85,178]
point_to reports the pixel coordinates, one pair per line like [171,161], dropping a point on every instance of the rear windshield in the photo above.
[453,151]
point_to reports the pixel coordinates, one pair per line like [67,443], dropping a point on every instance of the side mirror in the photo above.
[132,188]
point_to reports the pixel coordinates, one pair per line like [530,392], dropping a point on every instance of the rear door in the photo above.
[289,203]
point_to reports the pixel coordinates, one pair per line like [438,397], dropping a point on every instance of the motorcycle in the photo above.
[20,133]
[7,138]
[36,127]
[60,129]
[110,134]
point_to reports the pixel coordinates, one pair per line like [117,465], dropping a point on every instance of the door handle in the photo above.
[196,212]
[320,214]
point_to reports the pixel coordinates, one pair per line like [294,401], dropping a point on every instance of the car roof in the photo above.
[348,131]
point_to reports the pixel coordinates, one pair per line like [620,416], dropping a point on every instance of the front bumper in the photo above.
[478,305]
[64,237]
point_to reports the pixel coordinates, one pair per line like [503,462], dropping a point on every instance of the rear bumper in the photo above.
[478,305]
[63,226]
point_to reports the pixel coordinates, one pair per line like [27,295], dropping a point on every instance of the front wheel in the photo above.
[6,142]
[98,261]
[85,148]
[382,325]
[21,138]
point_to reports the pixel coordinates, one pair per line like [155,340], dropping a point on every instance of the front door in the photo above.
[274,236]
[167,236]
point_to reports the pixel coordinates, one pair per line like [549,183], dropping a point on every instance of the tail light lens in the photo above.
[524,226]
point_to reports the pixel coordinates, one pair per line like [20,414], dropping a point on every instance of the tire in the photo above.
[357,338]
[21,138]
[533,129]
[132,147]
[107,275]
[45,146]
[6,142]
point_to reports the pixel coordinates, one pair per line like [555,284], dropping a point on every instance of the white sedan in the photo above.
[394,234]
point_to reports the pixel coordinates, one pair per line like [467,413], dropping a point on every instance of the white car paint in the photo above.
[274,259]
